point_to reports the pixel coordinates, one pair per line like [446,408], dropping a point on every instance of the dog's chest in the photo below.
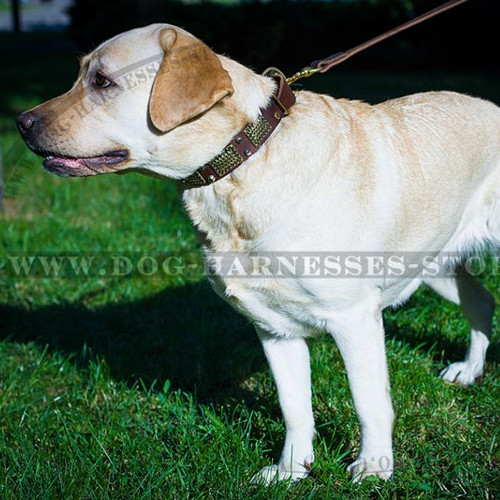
[279,306]
[290,305]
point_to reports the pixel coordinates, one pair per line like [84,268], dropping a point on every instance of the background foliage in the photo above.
[295,32]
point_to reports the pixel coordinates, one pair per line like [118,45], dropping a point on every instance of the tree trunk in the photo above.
[16,18]
[1,180]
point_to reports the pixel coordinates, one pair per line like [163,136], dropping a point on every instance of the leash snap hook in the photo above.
[303,73]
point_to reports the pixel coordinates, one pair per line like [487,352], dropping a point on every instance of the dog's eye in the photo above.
[101,81]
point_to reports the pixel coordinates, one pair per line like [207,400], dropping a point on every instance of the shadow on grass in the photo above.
[428,323]
[189,336]
[186,335]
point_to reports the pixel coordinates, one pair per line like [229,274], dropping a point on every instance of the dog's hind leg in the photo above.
[478,306]
[289,362]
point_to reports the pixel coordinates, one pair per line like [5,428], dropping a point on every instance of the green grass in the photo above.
[153,388]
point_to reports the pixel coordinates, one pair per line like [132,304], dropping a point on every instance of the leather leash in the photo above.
[323,65]
[250,139]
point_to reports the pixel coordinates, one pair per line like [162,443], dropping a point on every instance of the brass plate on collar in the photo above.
[195,180]
[258,130]
[226,161]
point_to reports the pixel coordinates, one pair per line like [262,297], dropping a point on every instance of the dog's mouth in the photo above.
[71,166]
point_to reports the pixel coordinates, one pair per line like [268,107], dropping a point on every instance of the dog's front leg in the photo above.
[289,362]
[359,335]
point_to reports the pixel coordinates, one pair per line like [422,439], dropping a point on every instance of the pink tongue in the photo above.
[69,162]
[78,163]
[83,166]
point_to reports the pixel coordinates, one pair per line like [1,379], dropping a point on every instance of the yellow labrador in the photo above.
[415,174]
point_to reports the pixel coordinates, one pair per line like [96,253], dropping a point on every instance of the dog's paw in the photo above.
[362,468]
[273,473]
[462,373]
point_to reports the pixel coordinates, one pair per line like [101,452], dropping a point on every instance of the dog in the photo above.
[415,174]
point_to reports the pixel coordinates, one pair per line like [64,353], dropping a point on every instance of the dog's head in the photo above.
[140,102]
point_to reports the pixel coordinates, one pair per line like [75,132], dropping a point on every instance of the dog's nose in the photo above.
[25,121]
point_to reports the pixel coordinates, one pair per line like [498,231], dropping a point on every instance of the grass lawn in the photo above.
[134,387]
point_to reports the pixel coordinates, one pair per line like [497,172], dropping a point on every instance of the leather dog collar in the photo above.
[248,140]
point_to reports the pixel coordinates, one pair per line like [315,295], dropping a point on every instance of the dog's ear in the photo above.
[190,81]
